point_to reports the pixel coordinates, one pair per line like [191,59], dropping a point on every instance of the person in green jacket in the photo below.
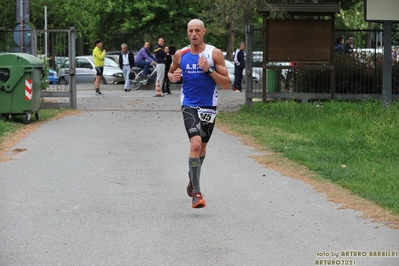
[98,58]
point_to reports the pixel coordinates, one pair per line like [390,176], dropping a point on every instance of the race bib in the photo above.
[207,115]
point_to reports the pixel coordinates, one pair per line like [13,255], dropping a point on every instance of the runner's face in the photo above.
[195,33]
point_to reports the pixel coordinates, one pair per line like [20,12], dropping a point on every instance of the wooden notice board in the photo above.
[299,40]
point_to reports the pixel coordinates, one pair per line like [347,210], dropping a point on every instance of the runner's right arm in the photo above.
[174,74]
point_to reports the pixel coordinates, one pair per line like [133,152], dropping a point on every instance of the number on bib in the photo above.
[207,115]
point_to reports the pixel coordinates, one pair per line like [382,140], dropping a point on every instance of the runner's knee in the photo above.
[196,144]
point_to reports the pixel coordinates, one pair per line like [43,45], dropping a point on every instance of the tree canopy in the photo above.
[135,22]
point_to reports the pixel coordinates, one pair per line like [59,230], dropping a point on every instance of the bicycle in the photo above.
[139,78]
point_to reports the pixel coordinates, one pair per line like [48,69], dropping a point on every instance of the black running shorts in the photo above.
[196,127]
[99,71]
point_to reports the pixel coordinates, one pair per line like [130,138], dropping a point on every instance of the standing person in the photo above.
[144,58]
[339,45]
[98,59]
[168,62]
[349,45]
[239,65]
[160,59]
[201,67]
[126,63]
[394,55]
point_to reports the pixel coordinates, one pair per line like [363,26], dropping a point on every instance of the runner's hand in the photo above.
[203,63]
[177,75]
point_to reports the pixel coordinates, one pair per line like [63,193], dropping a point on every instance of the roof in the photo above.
[305,8]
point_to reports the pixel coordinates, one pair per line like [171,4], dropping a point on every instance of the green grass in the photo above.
[8,127]
[355,145]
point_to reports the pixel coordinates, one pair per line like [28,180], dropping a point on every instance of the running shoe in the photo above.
[99,94]
[198,201]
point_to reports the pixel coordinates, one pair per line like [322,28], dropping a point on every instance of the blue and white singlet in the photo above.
[198,88]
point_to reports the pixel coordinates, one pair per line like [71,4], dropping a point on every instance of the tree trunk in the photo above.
[230,40]
[80,46]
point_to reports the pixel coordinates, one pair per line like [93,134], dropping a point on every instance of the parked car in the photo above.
[86,73]
[257,69]
[52,76]
[117,52]
[230,70]
[113,57]
[58,61]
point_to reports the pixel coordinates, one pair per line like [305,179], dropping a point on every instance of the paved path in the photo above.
[107,187]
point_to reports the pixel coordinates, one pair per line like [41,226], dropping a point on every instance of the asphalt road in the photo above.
[107,187]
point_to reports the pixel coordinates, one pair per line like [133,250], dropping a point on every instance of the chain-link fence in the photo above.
[9,39]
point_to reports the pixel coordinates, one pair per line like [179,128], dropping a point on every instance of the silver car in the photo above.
[86,73]
[230,70]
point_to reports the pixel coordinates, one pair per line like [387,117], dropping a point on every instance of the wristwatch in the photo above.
[210,70]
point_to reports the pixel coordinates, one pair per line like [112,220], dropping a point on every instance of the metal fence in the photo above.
[357,76]
[53,46]
[9,39]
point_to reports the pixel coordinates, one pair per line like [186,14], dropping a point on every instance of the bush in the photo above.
[359,73]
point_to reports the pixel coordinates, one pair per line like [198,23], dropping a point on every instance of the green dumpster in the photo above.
[20,85]
[271,80]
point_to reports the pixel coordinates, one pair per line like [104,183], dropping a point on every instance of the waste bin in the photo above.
[20,85]
[271,80]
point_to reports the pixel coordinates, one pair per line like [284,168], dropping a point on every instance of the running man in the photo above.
[201,67]
[98,59]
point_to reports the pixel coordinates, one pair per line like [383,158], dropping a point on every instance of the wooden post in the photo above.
[265,59]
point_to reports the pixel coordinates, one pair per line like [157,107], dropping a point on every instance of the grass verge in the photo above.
[8,127]
[354,145]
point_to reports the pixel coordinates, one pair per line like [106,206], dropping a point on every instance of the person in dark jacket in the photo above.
[339,45]
[126,63]
[160,59]
[239,65]
[349,45]
[168,62]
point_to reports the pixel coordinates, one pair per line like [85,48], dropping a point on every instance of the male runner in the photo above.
[98,59]
[201,67]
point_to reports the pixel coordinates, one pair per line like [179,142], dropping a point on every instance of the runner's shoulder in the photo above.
[216,51]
